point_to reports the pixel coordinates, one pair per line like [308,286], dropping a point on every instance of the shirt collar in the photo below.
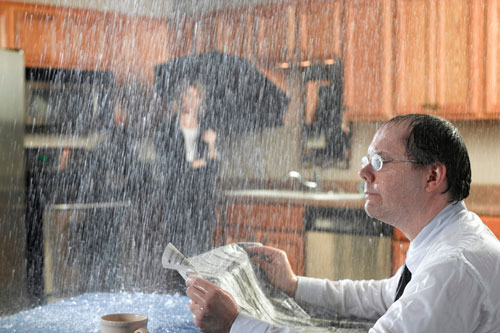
[421,244]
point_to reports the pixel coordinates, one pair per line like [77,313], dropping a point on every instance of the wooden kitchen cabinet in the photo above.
[438,58]
[138,44]
[6,34]
[204,34]
[368,60]
[235,33]
[35,32]
[320,30]
[59,37]
[152,47]
[290,242]
[275,225]
[84,40]
[492,71]
[399,247]
[493,222]
[275,32]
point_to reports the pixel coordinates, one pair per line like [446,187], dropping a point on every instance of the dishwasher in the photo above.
[346,244]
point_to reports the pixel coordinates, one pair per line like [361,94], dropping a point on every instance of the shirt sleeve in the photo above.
[367,299]
[362,299]
[248,324]
[445,297]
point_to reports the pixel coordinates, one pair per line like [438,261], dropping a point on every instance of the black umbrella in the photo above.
[239,97]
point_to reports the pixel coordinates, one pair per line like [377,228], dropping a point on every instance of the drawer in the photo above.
[268,217]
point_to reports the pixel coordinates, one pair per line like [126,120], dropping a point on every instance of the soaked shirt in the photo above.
[455,265]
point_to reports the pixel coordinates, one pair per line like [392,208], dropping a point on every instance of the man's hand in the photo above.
[214,310]
[274,262]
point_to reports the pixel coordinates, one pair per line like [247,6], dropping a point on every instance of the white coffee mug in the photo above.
[124,323]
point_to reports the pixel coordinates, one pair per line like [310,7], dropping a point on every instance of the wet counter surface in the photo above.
[166,313]
[301,198]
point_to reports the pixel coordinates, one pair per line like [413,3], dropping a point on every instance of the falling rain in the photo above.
[129,125]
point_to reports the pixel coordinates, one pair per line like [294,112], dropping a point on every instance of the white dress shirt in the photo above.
[455,285]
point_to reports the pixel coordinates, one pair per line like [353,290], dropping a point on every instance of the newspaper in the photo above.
[230,268]
[174,259]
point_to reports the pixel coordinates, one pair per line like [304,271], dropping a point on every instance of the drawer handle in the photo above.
[430,106]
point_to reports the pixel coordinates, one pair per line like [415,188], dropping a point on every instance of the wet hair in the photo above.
[432,139]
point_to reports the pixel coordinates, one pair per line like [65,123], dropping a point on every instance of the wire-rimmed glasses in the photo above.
[377,161]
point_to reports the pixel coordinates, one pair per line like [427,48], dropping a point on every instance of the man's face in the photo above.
[392,194]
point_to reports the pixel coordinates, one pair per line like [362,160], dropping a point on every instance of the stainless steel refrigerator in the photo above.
[13,292]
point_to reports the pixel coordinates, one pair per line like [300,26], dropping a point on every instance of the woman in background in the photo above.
[189,169]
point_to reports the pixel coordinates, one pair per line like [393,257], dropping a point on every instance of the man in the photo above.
[417,173]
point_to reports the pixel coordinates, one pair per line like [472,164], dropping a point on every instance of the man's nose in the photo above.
[366,173]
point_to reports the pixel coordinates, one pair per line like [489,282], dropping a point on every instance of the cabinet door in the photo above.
[177,37]
[493,59]
[493,222]
[399,249]
[267,217]
[152,47]
[85,40]
[320,30]
[204,34]
[35,31]
[438,58]
[5,27]
[141,43]
[368,60]
[235,34]
[275,32]
[291,243]
[275,225]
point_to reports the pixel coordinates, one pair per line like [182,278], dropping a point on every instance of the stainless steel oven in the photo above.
[67,101]
[65,109]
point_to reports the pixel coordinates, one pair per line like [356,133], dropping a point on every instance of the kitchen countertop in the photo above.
[484,200]
[299,198]
[60,141]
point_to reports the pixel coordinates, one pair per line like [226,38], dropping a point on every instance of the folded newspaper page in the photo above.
[230,268]
[174,259]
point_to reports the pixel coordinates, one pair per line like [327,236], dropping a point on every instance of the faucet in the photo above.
[312,185]
[315,184]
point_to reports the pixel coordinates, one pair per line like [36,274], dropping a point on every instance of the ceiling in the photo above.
[157,8]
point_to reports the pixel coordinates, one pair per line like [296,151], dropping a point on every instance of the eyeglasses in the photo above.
[377,162]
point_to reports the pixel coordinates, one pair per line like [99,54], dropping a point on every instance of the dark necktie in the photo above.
[403,281]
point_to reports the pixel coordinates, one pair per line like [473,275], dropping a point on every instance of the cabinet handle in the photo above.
[430,106]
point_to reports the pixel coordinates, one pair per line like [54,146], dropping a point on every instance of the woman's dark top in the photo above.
[189,194]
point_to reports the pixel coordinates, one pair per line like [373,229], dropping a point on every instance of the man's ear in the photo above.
[436,177]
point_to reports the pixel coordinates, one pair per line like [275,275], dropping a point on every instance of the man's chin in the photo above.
[371,210]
